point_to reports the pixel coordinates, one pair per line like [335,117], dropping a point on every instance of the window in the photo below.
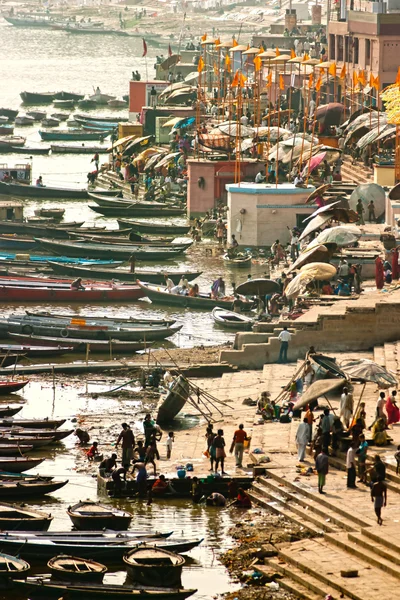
[367,52]
[332,44]
[355,48]
[340,48]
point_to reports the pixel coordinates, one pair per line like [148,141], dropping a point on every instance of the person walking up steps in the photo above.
[322,466]
[379,498]
[284,338]
[239,438]
[302,439]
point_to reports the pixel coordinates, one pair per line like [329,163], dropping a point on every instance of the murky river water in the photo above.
[51,60]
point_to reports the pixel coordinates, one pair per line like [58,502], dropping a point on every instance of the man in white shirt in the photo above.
[284,338]
[351,466]
[343,270]
[260,177]
[183,282]
[302,439]
[346,407]
[294,246]
[244,120]
[169,284]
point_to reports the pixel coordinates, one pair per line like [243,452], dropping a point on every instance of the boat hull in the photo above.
[91,572]
[36,98]
[80,346]
[117,523]
[29,489]
[17,465]
[8,387]
[155,229]
[174,401]
[13,293]
[231,320]
[201,302]
[33,191]
[60,136]
[109,211]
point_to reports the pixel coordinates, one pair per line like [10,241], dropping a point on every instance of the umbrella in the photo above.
[372,136]
[320,210]
[258,287]
[152,161]
[184,122]
[314,163]
[178,95]
[342,235]
[166,159]
[394,193]
[252,50]
[174,86]
[194,75]
[121,141]
[308,273]
[143,156]
[368,370]
[318,192]
[316,223]
[367,192]
[170,62]
[330,114]
[317,389]
[273,132]
[318,254]
[142,141]
[172,122]
[234,129]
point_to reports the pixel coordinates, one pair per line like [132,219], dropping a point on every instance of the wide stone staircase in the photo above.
[349,555]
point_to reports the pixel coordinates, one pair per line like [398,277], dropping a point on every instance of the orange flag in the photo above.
[257,63]
[376,83]
[217,42]
[281,83]
[332,70]
[305,57]
[235,80]
[343,72]
[200,65]
[277,53]
[361,78]
[269,80]
[355,79]
[318,83]
[234,43]
[248,47]
[204,37]
[215,69]
[398,77]
[310,81]
[292,53]
[228,63]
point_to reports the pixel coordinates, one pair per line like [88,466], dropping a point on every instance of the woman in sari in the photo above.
[360,415]
[392,410]
[379,434]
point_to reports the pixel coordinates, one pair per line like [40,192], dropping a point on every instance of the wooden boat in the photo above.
[54,213]
[17,430]
[121,274]
[37,115]
[125,240]
[173,402]
[17,243]
[201,301]
[90,328]
[120,202]
[92,515]
[28,149]
[7,387]
[25,440]
[97,536]
[81,149]
[33,423]
[133,211]
[14,450]
[24,120]
[46,587]
[134,321]
[60,116]
[6,360]
[28,488]
[154,228]
[34,191]
[108,550]
[50,122]
[81,345]
[10,567]
[32,351]
[11,141]
[87,104]
[239,260]
[117,103]
[25,290]
[15,517]
[66,104]
[149,564]
[59,230]
[114,251]
[15,464]
[72,135]
[37,98]
[6,129]
[76,570]
[231,320]
[101,118]
[8,411]
[10,113]
[68,96]
[98,97]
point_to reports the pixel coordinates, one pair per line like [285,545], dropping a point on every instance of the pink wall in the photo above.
[216,176]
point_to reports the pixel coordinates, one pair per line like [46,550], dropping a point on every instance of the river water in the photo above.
[46,60]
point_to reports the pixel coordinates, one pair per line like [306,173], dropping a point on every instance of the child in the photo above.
[140,451]
[92,452]
[397,457]
[169,442]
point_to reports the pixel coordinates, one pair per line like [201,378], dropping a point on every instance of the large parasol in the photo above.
[258,287]
[368,370]
[314,163]
[308,273]
[317,389]
[318,192]
[330,114]
[367,192]
[342,235]
[318,254]
[316,223]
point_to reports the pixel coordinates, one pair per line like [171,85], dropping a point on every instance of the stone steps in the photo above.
[375,535]
[324,562]
[321,500]
[392,480]
[355,548]
[278,508]
[377,546]
[303,581]
[323,515]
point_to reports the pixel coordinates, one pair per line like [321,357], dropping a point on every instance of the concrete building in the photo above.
[207,181]
[367,39]
[259,214]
